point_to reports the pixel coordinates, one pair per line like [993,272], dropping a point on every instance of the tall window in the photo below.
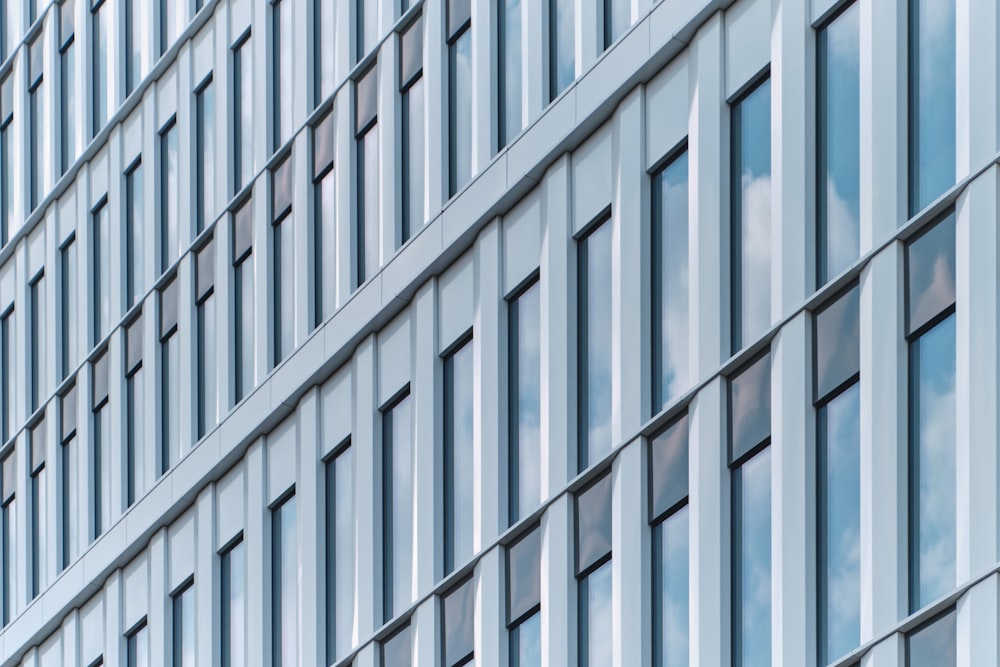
[134,237]
[243,300]
[511,76]
[36,123]
[135,63]
[170,12]
[397,650]
[617,19]
[838,133]
[183,627]
[838,460]
[242,113]
[934,644]
[68,306]
[459,95]
[750,462]
[524,600]
[562,46]
[397,507]
[39,505]
[135,453]
[7,360]
[930,331]
[339,553]
[285,585]
[8,528]
[324,220]
[68,102]
[671,281]
[36,340]
[593,573]
[100,36]
[524,407]
[751,215]
[459,612]
[137,646]
[932,125]
[366,14]
[169,196]
[69,462]
[366,131]
[100,454]
[594,324]
[204,157]
[207,364]
[324,34]
[411,89]
[233,616]
[281,89]
[283,226]
[170,378]
[6,158]
[668,471]
[459,440]
[101,270]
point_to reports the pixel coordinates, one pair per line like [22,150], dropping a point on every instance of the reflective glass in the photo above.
[512,73]
[169,197]
[284,288]
[368,211]
[593,524]
[183,626]
[233,616]
[932,100]
[244,343]
[324,34]
[100,37]
[137,647]
[617,19]
[397,650]
[934,644]
[668,455]
[671,285]
[170,440]
[413,163]
[68,306]
[68,464]
[930,274]
[459,440]
[671,590]
[839,459]
[562,45]
[170,13]
[459,14]
[242,114]
[594,346]
[69,105]
[9,542]
[525,378]
[367,15]
[460,112]
[596,611]
[932,465]
[282,88]
[749,407]
[838,190]
[135,434]
[459,623]
[208,391]
[36,332]
[135,239]
[101,271]
[340,554]
[526,642]
[101,481]
[134,31]
[752,561]
[397,494]
[326,217]
[205,155]
[524,575]
[6,183]
[838,355]
[751,219]
[6,376]
[285,583]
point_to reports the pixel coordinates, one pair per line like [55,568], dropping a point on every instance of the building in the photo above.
[576,332]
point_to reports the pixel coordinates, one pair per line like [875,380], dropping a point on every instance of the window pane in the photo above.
[397,650]
[284,288]
[594,333]
[135,435]
[367,15]
[838,130]
[233,617]
[137,647]
[183,622]
[413,162]
[100,37]
[242,114]
[324,35]
[135,240]
[596,620]
[838,356]
[933,645]
[7,410]
[36,333]
[525,377]
[751,220]
[205,156]
[169,197]
[932,100]
[840,524]
[524,575]
[933,464]
[69,105]
[930,274]
[459,623]
[460,112]
[526,642]
[68,307]
[669,467]
[285,581]
[135,64]
[458,457]
[326,219]
[340,554]
[749,407]
[170,442]
[101,476]
[617,19]
[670,591]
[562,45]
[510,62]
[101,272]
[208,390]
[368,210]
[752,561]
[397,501]
[282,87]
[671,320]
[593,524]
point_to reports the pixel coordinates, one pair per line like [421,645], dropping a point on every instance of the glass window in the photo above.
[233,619]
[100,477]
[397,650]
[524,382]
[68,306]
[39,505]
[135,414]
[101,247]
[6,154]
[838,189]
[285,585]
[36,125]
[283,225]
[412,98]
[459,441]
[617,19]
[324,220]
[135,65]
[751,215]
[511,75]
[134,238]
[170,374]
[594,322]
[836,333]
[524,600]
[208,393]
[137,646]
[397,507]
[169,196]
[281,88]
[593,573]
[671,310]
[7,359]
[204,154]
[752,561]
[36,339]
[68,466]
[930,274]
[750,407]
[68,101]
[340,554]
[459,106]
[932,125]
[367,35]
[243,164]
[183,627]
[100,36]
[933,644]
[243,300]
[459,610]
[170,12]
[367,231]
[562,46]
[324,35]
[8,527]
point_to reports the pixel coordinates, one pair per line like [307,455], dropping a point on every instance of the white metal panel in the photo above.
[456,301]
[92,629]
[668,107]
[231,507]
[522,241]
[394,352]
[336,410]
[282,459]
[748,43]
[591,178]
[136,583]
[183,547]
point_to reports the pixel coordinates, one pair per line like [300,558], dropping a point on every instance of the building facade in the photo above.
[514,332]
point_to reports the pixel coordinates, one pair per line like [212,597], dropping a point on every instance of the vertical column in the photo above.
[976,624]
[977,114]
[368,507]
[206,577]
[427,461]
[489,460]
[490,626]
[558,586]
[793,573]
[883,446]
[159,602]
[113,640]
[424,633]
[311,534]
[890,652]
[71,641]
[258,557]
[631,573]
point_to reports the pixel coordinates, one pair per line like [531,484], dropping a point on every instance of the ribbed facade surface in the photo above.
[499,332]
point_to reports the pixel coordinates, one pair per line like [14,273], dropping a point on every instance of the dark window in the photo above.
[750,407]
[339,553]
[284,584]
[397,650]
[207,366]
[135,413]
[170,378]
[397,504]
[933,644]
[68,477]
[459,610]
[243,300]
[169,196]
[39,504]
[562,46]
[366,132]
[100,36]
[68,102]
[36,339]
[411,88]
[593,573]
[459,95]
[594,330]
[281,88]
[9,536]
[243,163]
[524,600]
[524,381]
[282,222]
[134,237]
[233,606]
[100,474]
[36,128]
[510,62]
[325,218]
[101,271]
[204,128]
